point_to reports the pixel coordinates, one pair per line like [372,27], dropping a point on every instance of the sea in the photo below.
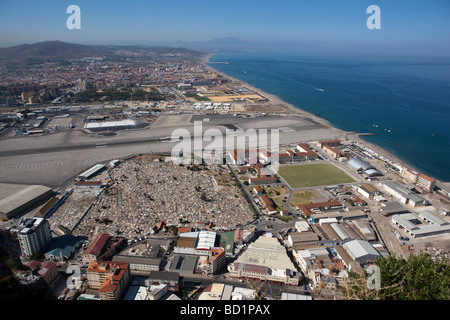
[406,104]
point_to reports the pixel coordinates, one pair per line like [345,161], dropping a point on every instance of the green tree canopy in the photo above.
[417,277]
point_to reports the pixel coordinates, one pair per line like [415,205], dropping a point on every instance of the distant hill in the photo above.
[58,51]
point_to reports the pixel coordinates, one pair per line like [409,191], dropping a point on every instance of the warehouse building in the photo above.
[361,251]
[367,190]
[392,207]
[302,240]
[359,165]
[411,224]
[112,125]
[23,200]
[403,194]
[91,172]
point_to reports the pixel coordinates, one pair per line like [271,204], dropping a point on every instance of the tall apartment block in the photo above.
[33,234]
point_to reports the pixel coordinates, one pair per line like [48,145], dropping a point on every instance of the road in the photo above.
[72,147]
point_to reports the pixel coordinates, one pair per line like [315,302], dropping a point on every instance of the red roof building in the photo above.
[111,279]
[96,248]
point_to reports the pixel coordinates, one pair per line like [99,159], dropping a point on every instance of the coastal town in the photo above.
[94,205]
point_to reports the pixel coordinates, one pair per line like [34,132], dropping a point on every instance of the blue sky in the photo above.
[406,25]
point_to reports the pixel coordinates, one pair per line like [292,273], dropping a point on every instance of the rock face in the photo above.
[17,284]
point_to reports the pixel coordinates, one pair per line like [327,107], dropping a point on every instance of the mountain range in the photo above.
[58,51]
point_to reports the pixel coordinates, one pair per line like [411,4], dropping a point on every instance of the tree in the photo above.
[14,264]
[417,277]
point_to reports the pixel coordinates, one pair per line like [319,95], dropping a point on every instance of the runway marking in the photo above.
[33,165]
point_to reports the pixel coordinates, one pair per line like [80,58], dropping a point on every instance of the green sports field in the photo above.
[313,175]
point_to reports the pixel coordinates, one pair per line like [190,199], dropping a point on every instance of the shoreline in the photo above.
[291,109]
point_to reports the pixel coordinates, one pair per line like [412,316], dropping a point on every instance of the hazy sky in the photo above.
[405,24]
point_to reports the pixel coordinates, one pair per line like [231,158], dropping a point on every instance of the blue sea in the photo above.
[406,104]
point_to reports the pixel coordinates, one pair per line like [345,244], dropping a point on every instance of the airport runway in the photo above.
[54,160]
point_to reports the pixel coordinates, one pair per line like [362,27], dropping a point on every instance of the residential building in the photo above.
[111,279]
[426,183]
[33,235]
[48,270]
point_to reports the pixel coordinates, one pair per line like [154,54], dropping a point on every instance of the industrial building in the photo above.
[112,125]
[367,190]
[23,200]
[359,165]
[91,172]
[392,207]
[411,224]
[183,264]
[403,194]
[302,240]
[361,251]
[362,166]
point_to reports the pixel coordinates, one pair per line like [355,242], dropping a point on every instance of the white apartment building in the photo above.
[33,234]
